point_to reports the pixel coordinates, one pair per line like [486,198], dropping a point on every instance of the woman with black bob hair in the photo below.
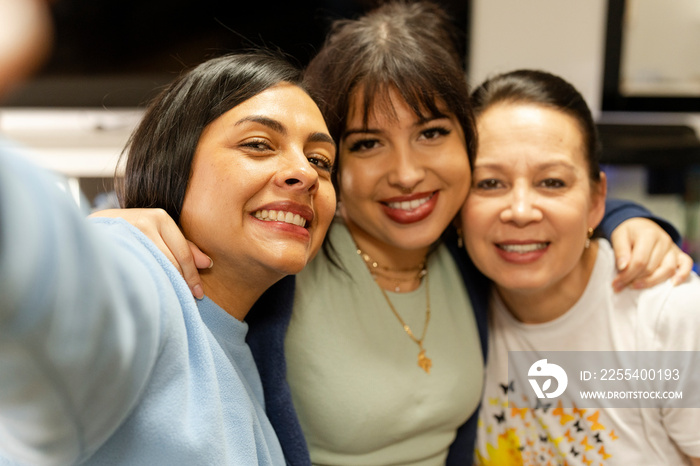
[106,356]
[160,157]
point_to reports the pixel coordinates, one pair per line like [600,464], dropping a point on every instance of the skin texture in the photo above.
[272,152]
[532,202]
[401,158]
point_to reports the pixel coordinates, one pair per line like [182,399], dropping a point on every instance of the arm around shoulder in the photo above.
[618,210]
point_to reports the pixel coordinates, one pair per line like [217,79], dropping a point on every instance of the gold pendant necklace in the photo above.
[424,362]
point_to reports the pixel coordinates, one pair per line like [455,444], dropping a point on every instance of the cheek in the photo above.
[478,217]
[457,173]
[326,202]
[355,182]
[215,198]
[470,221]
[195,217]
[475,226]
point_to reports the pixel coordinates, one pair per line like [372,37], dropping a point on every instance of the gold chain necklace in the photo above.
[424,361]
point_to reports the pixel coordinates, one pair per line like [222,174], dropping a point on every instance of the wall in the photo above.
[566,37]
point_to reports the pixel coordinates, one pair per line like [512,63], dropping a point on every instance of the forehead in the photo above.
[529,130]
[284,102]
[388,106]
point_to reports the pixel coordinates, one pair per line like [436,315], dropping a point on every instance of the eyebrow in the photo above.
[269,122]
[420,122]
[321,137]
[280,128]
[541,166]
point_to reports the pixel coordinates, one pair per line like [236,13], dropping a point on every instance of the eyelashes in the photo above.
[322,163]
[262,147]
[495,183]
[363,144]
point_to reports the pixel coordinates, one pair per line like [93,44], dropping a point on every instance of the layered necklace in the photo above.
[386,273]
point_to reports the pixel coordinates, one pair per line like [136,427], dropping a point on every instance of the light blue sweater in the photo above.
[105,356]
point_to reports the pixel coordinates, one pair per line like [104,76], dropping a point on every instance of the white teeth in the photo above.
[409,205]
[281,216]
[522,248]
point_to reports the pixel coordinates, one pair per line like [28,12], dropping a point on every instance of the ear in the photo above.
[597,209]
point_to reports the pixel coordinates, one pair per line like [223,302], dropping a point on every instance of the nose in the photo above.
[297,173]
[522,206]
[408,170]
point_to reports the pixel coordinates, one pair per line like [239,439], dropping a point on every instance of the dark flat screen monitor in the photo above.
[652,57]
[119,53]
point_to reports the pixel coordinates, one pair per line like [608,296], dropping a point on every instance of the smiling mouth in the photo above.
[522,248]
[281,216]
[409,205]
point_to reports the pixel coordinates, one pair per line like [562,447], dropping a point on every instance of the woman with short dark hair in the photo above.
[106,357]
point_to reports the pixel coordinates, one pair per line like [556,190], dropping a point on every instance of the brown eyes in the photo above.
[493,183]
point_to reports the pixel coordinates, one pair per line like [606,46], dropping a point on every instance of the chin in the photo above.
[290,263]
[523,285]
[409,241]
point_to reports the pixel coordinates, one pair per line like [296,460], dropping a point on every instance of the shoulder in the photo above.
[672,313]
[129,240]
[666,317]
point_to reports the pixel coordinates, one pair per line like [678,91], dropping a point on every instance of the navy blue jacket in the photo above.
[269,318]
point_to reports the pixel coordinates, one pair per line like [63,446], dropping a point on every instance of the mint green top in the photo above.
[358,390]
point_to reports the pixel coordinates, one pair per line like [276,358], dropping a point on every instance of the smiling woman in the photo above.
[532,169]
[537,196]
[231,161]
[115,361]
[251,161]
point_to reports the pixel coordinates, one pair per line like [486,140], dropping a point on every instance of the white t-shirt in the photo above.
[661,318]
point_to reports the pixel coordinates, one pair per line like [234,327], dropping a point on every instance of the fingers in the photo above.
[635,271]
[633,259]
[685,266]
[622,247]
[653,265]
[193,260]
[644,261]
[182,253]
[201,260]
[654,276]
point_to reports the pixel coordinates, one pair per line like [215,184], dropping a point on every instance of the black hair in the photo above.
[410,47]
[161,149]
[542,88]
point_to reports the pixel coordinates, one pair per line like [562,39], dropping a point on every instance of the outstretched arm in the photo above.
[79,328]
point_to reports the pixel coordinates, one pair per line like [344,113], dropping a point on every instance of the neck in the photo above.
[546,304]
[388,255]
[397,269]
[232,292]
